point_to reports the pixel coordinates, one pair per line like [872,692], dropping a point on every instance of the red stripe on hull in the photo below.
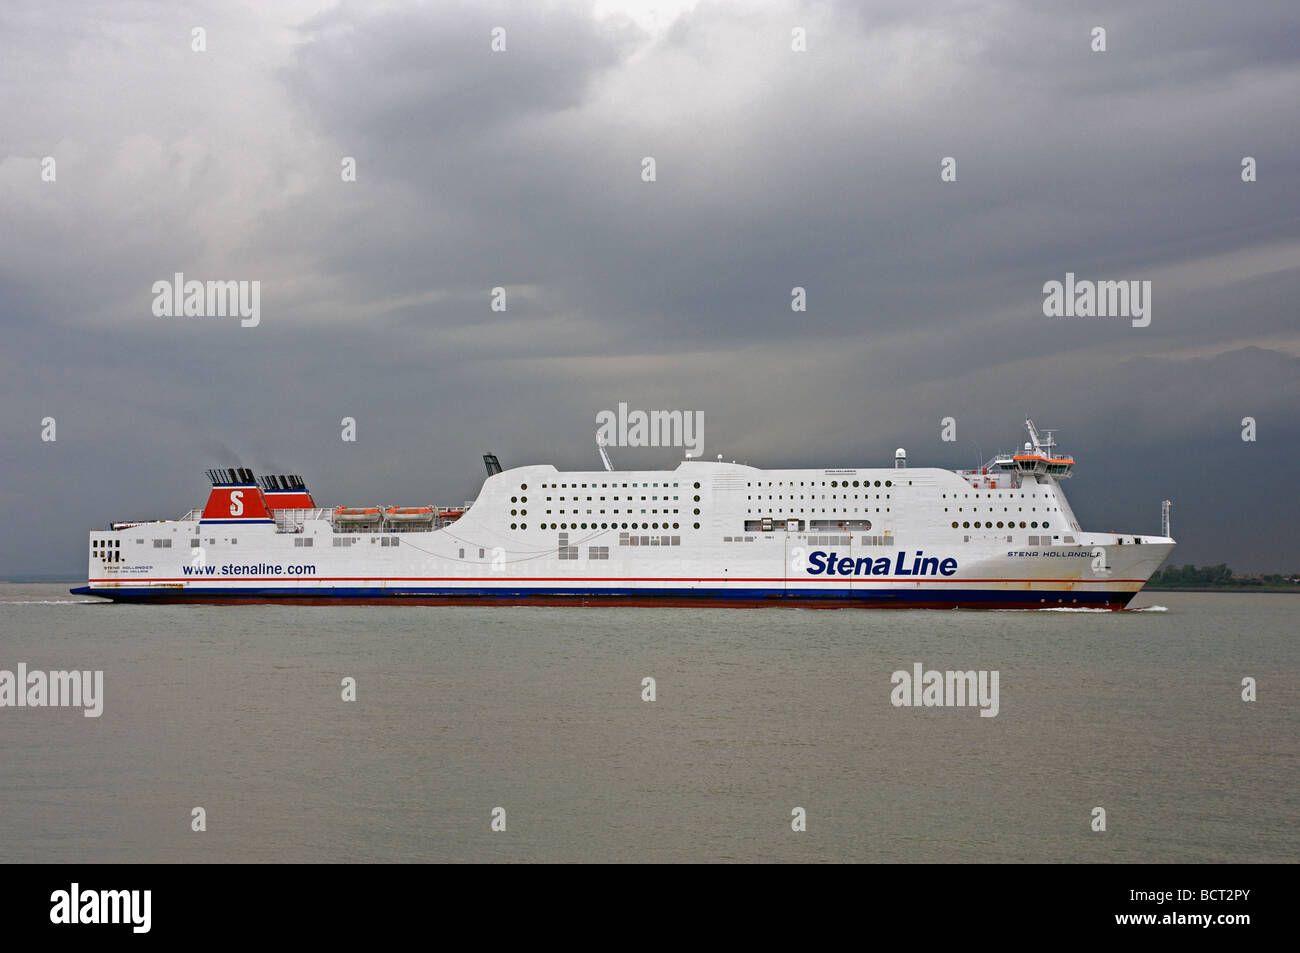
[667,602]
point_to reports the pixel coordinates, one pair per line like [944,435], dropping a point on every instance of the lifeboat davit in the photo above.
[409,514]
[357,514]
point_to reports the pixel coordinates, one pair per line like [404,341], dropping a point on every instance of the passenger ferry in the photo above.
[704,534]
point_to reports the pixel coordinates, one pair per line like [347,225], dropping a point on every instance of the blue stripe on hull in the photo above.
[930,598]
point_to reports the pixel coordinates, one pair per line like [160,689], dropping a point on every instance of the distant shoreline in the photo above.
[1291,590]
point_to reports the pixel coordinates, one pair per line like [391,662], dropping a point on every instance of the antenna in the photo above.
[1043,445]
[1033,434]
[600,446]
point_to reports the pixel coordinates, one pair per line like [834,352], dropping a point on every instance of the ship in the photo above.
[707,533]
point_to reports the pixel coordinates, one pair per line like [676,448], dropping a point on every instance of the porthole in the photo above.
[855,482]
[523,526]
[514,499]
[1046,526]
[523,499]
[674,526]
[523,512]
[696,525]
[697,512]
[1034,525]
[514,512]
[999,524]
[1022,524]
[697,486]
[513,526]
[697,499]
[954,525]
[965,525]
[523,486]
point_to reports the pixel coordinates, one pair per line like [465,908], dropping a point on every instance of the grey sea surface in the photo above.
[539,711]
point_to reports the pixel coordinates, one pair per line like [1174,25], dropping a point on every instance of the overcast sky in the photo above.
[522,169]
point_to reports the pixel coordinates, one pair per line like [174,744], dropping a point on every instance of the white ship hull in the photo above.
[702,534]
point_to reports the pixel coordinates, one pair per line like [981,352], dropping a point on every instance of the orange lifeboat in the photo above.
[357,514]
[409,514]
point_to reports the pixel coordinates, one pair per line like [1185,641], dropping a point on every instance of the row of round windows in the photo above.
[1009,525]
[833,483]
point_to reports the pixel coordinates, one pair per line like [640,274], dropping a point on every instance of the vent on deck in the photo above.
[282,481]
[229,475]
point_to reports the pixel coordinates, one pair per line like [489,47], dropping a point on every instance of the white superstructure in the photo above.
[1000,536]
